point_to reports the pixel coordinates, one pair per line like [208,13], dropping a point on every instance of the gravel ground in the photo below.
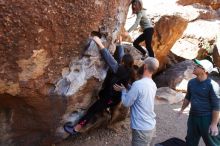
[168,125]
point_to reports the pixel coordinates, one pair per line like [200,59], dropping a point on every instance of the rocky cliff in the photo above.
[47,77]
[39,41]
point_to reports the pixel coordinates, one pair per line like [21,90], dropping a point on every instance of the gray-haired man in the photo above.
[141,100]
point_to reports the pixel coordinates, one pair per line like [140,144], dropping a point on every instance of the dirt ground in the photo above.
[168,125]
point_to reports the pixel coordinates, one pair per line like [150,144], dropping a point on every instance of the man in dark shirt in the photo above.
[204,96]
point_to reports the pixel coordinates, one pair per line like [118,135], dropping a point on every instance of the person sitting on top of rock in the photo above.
[120,72]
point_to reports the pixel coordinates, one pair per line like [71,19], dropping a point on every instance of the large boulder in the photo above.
[173,59]
[177,76]
[213,3]
[73,79]
[202,27]
[198,36]
[166,32]
[166,95]
[43,78]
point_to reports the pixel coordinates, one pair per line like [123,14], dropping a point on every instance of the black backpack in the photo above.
[172,142]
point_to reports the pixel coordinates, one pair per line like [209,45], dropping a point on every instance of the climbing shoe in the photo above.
[69,129]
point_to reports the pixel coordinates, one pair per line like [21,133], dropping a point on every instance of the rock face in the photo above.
[166,31]
[198,35]
[47,78]
[40,41]
[166,95]
[215,4]
[201,31]
[176,77]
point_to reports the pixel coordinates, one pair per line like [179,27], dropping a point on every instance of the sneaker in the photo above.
[69,129]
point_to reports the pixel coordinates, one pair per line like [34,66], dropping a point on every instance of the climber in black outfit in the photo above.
[120,72]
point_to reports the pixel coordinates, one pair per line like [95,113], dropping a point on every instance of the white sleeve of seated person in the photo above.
[128,98]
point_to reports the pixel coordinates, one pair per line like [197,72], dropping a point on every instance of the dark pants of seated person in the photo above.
[147,37]
[106,99]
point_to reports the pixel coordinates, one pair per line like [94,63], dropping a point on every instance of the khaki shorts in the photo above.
[143,137]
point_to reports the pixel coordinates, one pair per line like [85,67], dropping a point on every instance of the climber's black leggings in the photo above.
[147,37]
[106,100]
[98,106]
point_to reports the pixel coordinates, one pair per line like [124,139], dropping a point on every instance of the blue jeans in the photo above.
[119,53]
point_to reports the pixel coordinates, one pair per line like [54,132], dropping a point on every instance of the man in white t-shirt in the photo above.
[140,99]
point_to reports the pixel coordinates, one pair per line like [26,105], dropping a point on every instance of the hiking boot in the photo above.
[70,129]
